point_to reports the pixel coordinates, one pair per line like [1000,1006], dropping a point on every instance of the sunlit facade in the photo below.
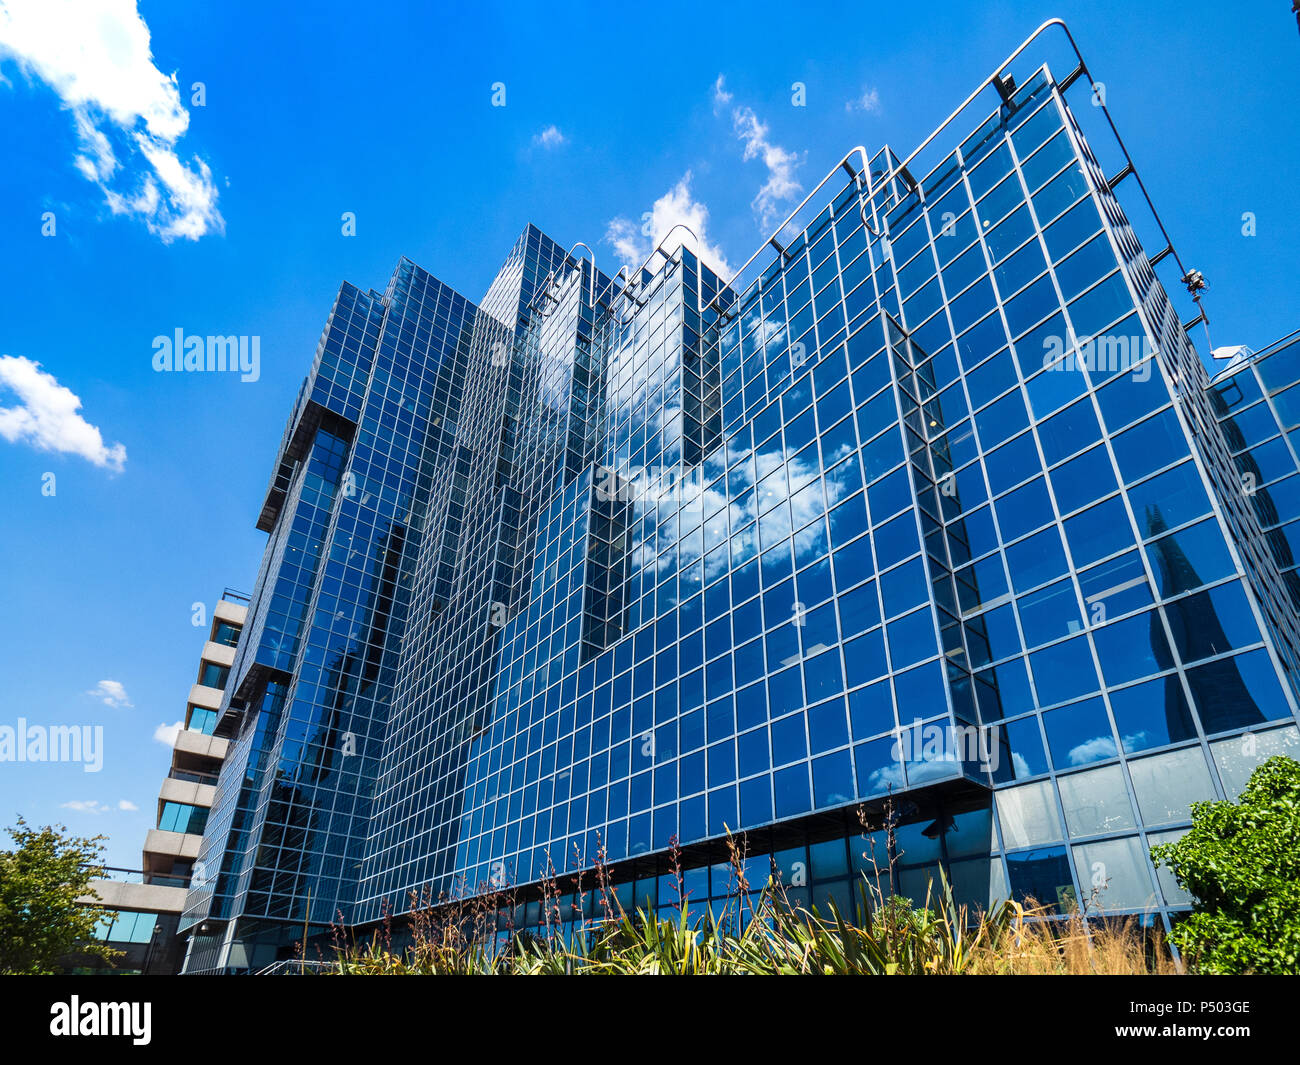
[934,516]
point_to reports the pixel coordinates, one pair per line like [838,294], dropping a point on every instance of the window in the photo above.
[1080,481]
[1060,194]
[1028,815]
[1099,531]
[1121,865]
[1063,671]
[1281,368]
[1027,508]
[1024,756]
[1173,498]
[1237,760]
[1132,395]
[1188,559]
[1079,734]
[213,675]
[1044,876]
[202,720]
[1237,692]
[1069,431]
[1167,784]
[1211,623]
[1095,802]
[1152,714]
[1049,613]
[1047,161]
[1099,307]
[1083,268]
[1134,648]
[877,766]
[1115,587]
[181,817]
[1031,306]
[1036,560]
[1148,446]
[1016,272]
[127,928]
[1071,230]
[1010,464]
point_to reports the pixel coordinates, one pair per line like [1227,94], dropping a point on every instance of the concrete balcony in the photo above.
[220,653]
[208,698]
[185,791]
[170,845]
[231,613]
[136,898]
[190,742]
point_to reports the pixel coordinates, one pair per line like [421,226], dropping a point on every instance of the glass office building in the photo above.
[935,514]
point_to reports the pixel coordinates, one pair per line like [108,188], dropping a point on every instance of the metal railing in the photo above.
[297,967]
[191,776]
[996,80]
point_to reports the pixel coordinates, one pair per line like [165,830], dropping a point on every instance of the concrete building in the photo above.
[148,901]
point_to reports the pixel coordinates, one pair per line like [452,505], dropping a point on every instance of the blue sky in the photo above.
[385,111]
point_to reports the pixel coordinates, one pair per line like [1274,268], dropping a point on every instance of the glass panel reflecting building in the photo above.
[935,514]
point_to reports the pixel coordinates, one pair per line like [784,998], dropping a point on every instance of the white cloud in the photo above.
[166,734]
[781,185]
[96,55]
[1091,750]
[632,243]
[721,98]
[46,417]
[550,137]
[94,806]
[110,693]
[868,102]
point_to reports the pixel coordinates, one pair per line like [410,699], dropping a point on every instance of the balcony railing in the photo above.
[122,876]
[167,879]
[192,777]
[136,876]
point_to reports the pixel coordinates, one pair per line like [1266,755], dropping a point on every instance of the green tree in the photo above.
[1241,863]
[41,879]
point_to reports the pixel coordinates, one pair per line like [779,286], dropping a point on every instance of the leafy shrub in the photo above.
[1241,863]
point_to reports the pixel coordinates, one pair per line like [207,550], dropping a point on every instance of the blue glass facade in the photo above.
[940,505]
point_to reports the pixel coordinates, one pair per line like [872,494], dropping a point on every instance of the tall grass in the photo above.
[758,932]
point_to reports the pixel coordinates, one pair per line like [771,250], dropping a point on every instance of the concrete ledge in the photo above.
[191,742]
[234,613]
[220,653]
[186,791]
[208,698]
[136,898]
[171,844]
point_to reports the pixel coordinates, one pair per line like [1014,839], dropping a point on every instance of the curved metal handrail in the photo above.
[603,292]
[591,281]
[874,186]
[858,150]
[658,249]
[1129,166]
[633,277]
